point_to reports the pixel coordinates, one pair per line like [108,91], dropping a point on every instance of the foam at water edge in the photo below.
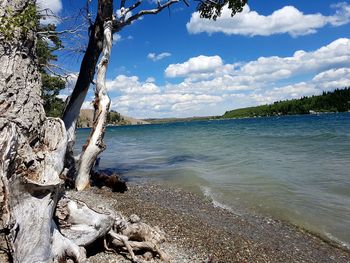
[210,194]
[340,242]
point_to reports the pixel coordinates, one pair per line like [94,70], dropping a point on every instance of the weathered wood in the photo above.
[86,74]
[139,246]
[133,235]
[63,248]
[79,167]
[95,144]
[81,224]
[32,148]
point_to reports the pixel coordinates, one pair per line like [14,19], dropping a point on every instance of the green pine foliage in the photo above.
[51,84]
[24,21]
[335,101]
[114,117]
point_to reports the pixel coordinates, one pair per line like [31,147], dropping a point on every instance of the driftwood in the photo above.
[82,226]
[140,236]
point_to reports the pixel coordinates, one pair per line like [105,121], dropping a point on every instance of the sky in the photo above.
[176,64]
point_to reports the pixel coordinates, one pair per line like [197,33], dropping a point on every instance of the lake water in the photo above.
[294,168]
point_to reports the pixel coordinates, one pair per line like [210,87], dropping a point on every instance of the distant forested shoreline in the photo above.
[335,101]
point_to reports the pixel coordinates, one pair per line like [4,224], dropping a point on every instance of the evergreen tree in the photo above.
[51,83]
[332,101]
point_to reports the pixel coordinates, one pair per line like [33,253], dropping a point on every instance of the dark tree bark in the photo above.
[87,70]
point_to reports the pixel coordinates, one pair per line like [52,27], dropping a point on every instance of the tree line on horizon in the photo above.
[332,101]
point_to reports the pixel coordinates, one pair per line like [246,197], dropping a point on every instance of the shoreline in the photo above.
[198,231]
[331,240]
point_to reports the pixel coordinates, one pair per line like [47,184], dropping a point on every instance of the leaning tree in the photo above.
[107,23]
[39,221]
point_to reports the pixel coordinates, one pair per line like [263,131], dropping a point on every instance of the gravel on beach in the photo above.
[199,232]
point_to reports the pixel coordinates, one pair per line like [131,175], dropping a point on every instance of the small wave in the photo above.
[210,194]
[337,240]
[173,160]
[186,158]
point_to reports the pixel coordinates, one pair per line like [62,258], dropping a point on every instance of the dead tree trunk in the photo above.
[32,147]
[95,144]
[85,78]
[80,168]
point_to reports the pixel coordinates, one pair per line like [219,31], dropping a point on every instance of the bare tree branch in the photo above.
[124,11]
[135,5]
[53,33]
[88,14]
[121,23]
[79,49]
[66,73]
[48,13]
[186,3]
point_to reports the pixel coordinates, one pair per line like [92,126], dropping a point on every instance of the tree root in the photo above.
[64,247]
[80,226]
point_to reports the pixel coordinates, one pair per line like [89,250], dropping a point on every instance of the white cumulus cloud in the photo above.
[210,87]
[126,85]
[288,20]
[117,38]
[156,57]
[55,6]
[336,54]
[164,104]
[200,64]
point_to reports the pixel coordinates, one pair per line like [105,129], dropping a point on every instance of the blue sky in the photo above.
[178,65]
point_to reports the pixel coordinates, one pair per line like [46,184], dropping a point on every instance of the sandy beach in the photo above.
[199,232]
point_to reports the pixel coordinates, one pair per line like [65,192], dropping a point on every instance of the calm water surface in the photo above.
[295,168]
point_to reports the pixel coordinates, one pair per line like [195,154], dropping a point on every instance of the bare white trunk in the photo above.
[95,144]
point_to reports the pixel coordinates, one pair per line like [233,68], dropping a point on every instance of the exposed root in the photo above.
[81,224]
[78,225]
[107,248]
[124,241]
[63,248]
[137,236]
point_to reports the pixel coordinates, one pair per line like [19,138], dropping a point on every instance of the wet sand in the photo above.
[199,232]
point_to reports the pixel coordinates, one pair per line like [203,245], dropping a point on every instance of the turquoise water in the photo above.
[294,168]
